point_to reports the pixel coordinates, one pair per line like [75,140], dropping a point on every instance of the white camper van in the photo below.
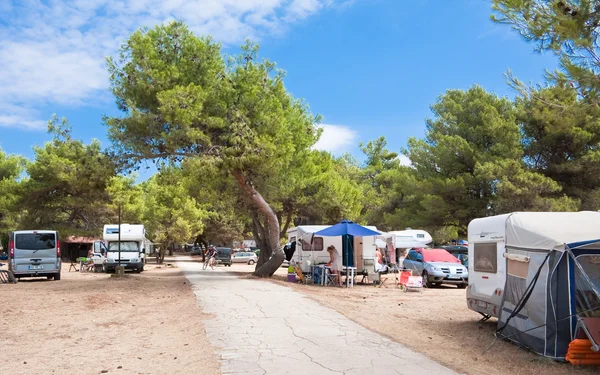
[134,246]
[311,249]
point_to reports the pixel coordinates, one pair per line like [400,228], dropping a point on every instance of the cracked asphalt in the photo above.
[264,328]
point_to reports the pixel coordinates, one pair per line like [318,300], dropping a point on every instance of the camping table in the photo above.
[350,273]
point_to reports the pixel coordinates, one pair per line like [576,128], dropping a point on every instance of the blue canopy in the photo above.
[346,227]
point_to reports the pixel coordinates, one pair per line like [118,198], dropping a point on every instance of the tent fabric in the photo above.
[347,227]
[551,230]
[546,322]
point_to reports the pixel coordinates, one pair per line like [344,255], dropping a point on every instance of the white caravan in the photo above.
[134,246]
[399,241]
[487,265]
[312,249]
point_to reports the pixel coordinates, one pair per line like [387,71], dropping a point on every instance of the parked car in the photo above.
[196,250]
[437,266]
[244,257]
[224,256]
[460,252]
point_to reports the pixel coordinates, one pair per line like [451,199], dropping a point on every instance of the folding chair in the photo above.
[367,275]
[73,266]
[299,273]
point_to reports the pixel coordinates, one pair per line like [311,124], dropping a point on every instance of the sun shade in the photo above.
[439,255]
[346,227]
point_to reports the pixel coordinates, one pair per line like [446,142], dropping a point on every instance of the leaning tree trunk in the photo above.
[266,265]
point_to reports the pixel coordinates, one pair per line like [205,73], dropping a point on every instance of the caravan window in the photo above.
[486,257]
[317,244]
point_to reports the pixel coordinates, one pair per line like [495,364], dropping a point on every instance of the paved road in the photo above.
[264,328]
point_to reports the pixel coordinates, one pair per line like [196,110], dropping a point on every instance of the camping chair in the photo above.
[7,277]
[73,266]
[369,273]
[299,273]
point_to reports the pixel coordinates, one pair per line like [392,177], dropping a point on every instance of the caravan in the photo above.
[311,249]
[539,274]
[134,246]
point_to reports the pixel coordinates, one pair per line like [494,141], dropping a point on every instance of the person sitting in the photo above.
[380,266]
[335,264]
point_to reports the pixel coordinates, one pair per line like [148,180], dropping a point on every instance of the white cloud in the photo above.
[404,160]
[335,138]
[52,52]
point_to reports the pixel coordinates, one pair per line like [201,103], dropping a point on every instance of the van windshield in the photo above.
[35,241]
[125,246]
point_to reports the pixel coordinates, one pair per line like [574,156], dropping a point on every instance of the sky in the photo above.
[371,68]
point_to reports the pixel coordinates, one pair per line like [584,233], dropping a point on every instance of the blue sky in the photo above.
[370,67]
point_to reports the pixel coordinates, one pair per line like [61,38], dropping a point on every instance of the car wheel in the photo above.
[57,276]
[426,281]
[462,286]
[250,262]
[49,277]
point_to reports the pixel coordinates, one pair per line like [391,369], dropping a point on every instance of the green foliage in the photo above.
[562,141]
[66,189]
[567,27]
[171,215]
[386,186]
[11,168]
[471,165]
[182,99]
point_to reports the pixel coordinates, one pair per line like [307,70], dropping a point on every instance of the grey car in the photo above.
[244,257]
[437,266]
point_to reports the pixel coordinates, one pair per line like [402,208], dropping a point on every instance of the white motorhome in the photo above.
[402,240]
[311,249]
[134,246]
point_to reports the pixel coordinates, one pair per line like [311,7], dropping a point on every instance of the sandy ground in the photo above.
[91,324]
[436,323]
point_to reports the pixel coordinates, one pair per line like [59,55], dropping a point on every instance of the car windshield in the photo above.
[125,246]
[439,255]
[35,241]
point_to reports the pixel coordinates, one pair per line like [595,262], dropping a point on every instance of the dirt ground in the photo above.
[90,323]
[435,322]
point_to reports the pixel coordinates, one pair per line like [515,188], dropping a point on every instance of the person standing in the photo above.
[335,264]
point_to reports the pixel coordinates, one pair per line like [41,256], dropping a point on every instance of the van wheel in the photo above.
[462,286]
[250,262]
[57,276]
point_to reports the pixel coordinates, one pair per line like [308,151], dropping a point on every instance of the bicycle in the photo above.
[207,261]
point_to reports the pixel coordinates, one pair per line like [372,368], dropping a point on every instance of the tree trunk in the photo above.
[270,229]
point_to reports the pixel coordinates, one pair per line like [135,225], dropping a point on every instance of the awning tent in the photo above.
[548,284]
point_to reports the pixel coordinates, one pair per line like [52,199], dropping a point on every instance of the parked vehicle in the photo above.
[34,253]
[437,266]
[134,247]
[224,256]
[461,252]
[196,250]
[244,257]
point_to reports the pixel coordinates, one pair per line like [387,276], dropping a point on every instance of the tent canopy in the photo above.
[346,227]
[552,230]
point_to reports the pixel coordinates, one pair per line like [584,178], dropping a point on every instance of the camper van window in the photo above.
[485,255]
[317,244]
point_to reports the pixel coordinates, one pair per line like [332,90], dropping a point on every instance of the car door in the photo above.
[410,260]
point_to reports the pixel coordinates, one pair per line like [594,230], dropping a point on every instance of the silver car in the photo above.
[244,257]
[437,266]
[34,253]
